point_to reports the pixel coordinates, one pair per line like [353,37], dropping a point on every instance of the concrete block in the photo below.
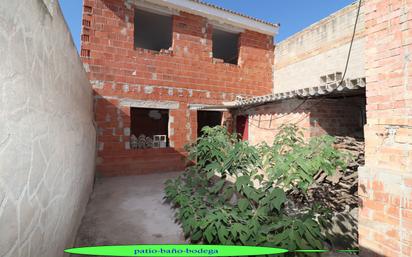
[126,131]
[148,89]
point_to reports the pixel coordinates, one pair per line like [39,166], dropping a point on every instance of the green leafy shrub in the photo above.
[292,163]
[238,194]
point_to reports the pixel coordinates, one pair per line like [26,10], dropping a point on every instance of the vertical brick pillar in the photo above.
[385,183]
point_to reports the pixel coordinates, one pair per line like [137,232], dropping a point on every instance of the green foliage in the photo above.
[292,164]
[225,198]
[218,152]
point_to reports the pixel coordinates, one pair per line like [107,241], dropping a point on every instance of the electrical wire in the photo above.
[323,97]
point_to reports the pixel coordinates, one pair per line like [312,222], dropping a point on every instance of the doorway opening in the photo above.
[242,127]
[208,118]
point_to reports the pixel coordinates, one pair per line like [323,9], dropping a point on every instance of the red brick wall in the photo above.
[184,74]
[385,223]
[316,117]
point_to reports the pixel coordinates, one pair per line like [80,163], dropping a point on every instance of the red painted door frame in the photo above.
[242,126]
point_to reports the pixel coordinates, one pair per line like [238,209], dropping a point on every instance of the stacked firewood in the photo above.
[340,191]
[355,147]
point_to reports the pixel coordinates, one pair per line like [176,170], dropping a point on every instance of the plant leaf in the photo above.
[243,204]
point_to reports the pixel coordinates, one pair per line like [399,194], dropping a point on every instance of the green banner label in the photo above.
[176,250]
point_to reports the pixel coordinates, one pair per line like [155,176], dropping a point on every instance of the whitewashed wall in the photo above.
[47,137]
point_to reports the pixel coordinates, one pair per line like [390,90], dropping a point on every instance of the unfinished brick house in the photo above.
[184,83]
[308,92]
[309,66]
[154,63]
[47,135]
[312,90]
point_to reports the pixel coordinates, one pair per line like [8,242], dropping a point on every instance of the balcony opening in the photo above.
[149,128]
[152,31]
[225,46]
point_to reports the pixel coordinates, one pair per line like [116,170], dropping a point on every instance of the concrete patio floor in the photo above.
[129,210]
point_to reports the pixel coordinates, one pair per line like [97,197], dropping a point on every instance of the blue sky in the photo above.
[293,15]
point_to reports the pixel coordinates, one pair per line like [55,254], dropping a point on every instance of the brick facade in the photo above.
[182,75]
[385,187]
[300,60]
[338,117]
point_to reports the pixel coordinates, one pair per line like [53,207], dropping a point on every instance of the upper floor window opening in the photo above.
[225,46]
[152,31]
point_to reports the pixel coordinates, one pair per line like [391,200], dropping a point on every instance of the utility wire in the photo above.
[323,97]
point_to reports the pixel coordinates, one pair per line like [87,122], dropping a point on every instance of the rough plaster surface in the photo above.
[130,210]
[47,138]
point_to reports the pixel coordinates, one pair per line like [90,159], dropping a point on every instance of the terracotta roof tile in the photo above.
[236,13]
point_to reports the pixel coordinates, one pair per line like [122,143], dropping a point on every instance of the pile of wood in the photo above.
[356,147]
[340,192]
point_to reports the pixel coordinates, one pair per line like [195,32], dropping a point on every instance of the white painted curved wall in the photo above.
[47,137]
